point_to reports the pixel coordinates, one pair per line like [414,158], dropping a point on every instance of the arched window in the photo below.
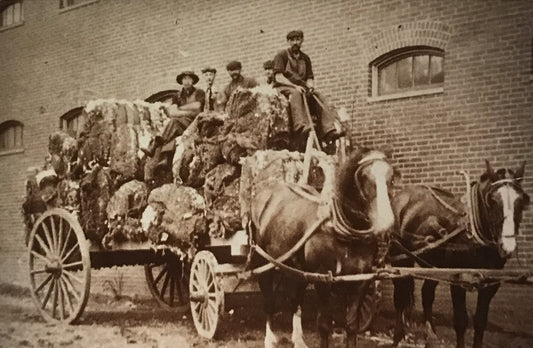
[408,72]
[163,96]
[11,13]
[11,136]
[72,121]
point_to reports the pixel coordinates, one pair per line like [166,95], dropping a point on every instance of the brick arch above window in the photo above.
[11,137]
[418,33]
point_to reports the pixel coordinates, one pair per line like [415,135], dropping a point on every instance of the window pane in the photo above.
[437,71]
[9,15]
[16,13]
[421,70]
[387,79]
[405,72]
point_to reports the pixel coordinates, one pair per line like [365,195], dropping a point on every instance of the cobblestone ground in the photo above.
[140,323]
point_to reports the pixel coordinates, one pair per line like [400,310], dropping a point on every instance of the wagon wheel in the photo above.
[59,266]
[369,306]
[168,281]
[207,297]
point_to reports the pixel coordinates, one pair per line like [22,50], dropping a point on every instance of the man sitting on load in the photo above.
[234,69]
[294,78]
[186,105]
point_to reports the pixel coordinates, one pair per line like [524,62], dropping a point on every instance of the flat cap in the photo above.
[294,34]
[268,65]
[234,65]
[209,69]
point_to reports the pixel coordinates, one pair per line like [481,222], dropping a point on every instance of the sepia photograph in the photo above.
[266,173]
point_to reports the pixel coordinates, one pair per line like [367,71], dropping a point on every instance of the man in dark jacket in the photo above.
[210,94]
[294,78]
[186,104]
[234,69]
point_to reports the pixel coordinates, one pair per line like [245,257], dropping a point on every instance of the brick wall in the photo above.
[133,49]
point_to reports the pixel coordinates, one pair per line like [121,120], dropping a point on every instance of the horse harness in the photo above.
[477,199]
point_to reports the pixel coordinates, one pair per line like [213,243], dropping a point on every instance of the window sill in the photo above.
[11,152]
[73,7]
[406,94]
[11,26]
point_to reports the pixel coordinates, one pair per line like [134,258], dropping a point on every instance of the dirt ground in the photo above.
[109,322]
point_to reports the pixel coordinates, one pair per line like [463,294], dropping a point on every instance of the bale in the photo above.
[129,200]
[257,120]
[175,216]
[95,191]
[221,193]
[124,161]
[265,167]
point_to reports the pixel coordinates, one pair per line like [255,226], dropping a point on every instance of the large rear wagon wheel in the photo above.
[206,294]
[59,266]
[168,281]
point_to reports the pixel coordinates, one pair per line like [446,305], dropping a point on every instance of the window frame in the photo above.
[69,117]
[7,5]
[4,126]
[395,56]
[67,8]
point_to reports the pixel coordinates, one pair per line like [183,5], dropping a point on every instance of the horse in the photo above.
[344,243]
[482,234]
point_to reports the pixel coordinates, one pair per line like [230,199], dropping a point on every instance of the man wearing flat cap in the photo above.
[210,94]
[234,69]
[268,66]
[294,78]
[186,104]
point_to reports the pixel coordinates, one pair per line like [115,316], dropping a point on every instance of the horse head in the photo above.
[364,185]
[504,201]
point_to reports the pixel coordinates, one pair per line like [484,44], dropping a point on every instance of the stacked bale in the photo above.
[175,215]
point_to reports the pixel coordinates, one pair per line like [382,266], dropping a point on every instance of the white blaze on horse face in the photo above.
[381,214]
[508,196]
[270,338]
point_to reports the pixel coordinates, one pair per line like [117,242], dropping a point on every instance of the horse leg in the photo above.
[428,296]
[266,281]
[460,317]
[403,303]
[296,301]
[482,311]
[324,324]
[355,295]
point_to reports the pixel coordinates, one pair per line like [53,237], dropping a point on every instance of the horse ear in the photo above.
[520,172]
[387,150]
[490,171]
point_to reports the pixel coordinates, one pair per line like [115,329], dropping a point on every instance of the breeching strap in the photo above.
[285,256]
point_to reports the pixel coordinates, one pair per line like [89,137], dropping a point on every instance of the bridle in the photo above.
[338,220]
[480,214]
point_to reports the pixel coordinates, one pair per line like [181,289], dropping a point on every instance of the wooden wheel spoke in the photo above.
[43,283]
[47,296]
[164,288]
[54,235]
[73,264]
[60,237]
[43,245]
[70,275]
[54,301]
[73,289]
[172,286]
[64,287]
[48,237]
[160,275]
[64,246]
[37,271]
[74,247]
[40,256]
[61,300]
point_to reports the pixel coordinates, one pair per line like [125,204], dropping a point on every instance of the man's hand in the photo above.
[302,89]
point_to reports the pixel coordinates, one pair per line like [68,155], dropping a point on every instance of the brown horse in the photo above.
[425,214]
[345,244]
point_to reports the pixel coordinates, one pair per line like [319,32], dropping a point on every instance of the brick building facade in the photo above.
[57,59]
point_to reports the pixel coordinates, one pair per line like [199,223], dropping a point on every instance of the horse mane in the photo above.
[344,183]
